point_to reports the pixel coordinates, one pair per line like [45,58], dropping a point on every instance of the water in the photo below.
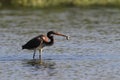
[92,53]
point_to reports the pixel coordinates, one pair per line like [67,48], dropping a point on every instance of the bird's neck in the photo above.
[51,42]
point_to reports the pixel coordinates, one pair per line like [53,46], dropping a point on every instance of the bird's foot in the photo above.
[41,62]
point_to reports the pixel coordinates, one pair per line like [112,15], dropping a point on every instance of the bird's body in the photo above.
[33,43]
[37,43]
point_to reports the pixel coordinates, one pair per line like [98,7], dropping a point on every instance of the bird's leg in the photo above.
[34,54]
[40,56]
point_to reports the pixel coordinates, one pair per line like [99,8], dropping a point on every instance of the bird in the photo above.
[41,41]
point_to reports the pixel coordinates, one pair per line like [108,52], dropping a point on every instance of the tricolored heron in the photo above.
[37,43]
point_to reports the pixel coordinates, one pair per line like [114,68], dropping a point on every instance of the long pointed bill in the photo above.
[59,34]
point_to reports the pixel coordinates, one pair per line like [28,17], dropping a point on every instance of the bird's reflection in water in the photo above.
[41,64]
[47,65]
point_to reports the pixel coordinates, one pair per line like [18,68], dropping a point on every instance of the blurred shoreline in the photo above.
[58,3]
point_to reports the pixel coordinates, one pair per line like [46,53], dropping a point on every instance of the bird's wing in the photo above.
[33,43]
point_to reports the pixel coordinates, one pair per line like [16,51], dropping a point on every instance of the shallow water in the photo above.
[92,53]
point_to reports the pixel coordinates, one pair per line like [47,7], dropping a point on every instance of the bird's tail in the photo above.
[23,47]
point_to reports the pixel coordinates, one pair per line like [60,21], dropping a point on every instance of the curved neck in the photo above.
[51,42]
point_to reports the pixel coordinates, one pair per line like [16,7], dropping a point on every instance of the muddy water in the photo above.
[92,53]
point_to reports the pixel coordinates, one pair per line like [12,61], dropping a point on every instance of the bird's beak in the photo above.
[59,34]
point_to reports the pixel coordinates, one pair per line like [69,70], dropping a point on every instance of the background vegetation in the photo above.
[54,3]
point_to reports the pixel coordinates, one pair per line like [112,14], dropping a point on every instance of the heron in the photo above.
[41,41]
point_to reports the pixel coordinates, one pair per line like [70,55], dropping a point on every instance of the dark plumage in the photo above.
[41,41]
[33,43]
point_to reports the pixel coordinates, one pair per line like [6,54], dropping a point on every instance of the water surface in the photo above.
[92,53]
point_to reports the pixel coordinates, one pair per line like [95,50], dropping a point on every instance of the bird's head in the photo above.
[51,33]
